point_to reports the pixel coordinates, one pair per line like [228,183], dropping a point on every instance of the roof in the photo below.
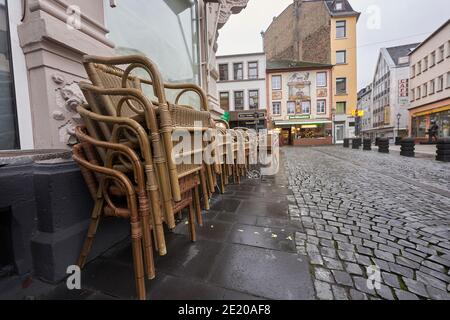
[240,55]
[347,9]
[401,51]
[291,64]
[432,35]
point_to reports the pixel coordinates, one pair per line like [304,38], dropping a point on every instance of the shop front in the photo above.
[255,120]
[304,133]
[422,121]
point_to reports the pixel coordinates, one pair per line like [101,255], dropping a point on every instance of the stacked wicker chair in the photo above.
[131,165]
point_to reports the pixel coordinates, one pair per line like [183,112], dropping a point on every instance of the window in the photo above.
[419,93]
[321,79]
[276,106]
[225,101]
[291,107]
[134,26]
[238,71]
[433,59]
[413,95]
[253,99]
[341,85]
[432,87]
[8,122]
[413,71]
[306,107]
[321,106]
[341,57]
[425,64]
[419,67]
[276,82]
[424,90]
[448,49]
[238,100]
[440,86]
[341,108]
[341,29]
[223,72]
[338,6]
[253,70]
[441,53]
[448,80]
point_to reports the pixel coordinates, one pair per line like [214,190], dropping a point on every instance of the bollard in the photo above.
[407,148]
[443,150]
[356,143]
[346,143]
[376,141]
[383,145]
[398,141]
[367,144]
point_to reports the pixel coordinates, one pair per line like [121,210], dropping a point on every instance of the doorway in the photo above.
[339,133]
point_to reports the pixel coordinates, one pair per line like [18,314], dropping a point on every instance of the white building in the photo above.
[365,105]
[242,88]
[390,93]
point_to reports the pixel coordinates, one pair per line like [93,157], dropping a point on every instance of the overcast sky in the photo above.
[399,22]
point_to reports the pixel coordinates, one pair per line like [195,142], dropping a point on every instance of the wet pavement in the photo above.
[245,251]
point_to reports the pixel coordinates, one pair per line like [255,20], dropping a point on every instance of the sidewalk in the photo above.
[424,151]
[246,250]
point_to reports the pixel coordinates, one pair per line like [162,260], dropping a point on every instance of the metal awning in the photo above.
[289,123]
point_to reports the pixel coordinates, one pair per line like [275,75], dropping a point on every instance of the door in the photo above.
[285,137]
[339,133]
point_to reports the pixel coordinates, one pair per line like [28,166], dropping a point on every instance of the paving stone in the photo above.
[339,293]
[353,268]
[387,256]
[400,270]
[329,252]
[407,263]
[333,264]
[405,295]
[430,280]
[364,250]
[440,260]
[323,290]
[416,287]
[347,256]
[323,274]
[383,265]
[434,266]
[358,295]
[361,284]
[363,260]
[316,259]
[391,280]
[385,292]
[389,249]
[342,278]
[437,294]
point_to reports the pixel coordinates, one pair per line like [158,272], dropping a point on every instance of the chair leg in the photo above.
[198,209]
[192,223]
[138,268]
[204,190]
[148,249]
[95,220]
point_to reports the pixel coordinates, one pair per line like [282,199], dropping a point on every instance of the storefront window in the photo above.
[310,131]
[8,121]
[419,126]
[443,121]
[166,31]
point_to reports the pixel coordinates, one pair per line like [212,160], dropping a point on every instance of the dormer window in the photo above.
[338,6]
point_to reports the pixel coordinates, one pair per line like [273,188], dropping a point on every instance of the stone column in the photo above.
[54,36]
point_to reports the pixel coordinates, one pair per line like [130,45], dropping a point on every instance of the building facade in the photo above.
[364,117]
[242,89]
[299,99]
[42,44]
[390,96]
[321,32]
[430,84]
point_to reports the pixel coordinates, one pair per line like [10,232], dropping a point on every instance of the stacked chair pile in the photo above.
[127,158]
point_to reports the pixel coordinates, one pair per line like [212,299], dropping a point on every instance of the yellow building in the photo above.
[344,58]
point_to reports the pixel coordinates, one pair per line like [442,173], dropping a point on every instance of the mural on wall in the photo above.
[299,86]
[322,93]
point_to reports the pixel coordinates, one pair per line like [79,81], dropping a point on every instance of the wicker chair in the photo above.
[105,73]
[104,206]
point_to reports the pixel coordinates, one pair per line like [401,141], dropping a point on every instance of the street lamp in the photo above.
[398,126]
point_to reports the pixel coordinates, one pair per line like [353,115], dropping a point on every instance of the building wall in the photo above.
[432,73]
[300,32]
[246,84]
[348,70]
[286,79]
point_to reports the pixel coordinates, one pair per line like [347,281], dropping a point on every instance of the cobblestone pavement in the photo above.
[362,209]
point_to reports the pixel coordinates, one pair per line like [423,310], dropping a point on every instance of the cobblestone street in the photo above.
[360,209]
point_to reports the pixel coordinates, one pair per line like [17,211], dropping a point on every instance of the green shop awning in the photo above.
[291,123]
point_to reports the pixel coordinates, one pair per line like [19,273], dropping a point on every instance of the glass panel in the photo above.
[8,124]
[253,70]
[223,72]
[164,31]
[225,100]
[340,108]
[321,79]
[239,100]
[341,57]
[253,99]
[276,82]
[238,71]
[341,86]
[341,29]
[276,108]
[291,107]
[306,107]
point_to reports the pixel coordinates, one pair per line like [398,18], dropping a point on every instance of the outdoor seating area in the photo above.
[132,163]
